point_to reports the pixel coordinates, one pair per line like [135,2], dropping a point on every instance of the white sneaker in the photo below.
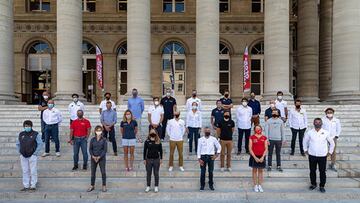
[45,154]
[57,154]
[260,189]
[156,189]
[256,188]
[181,169]
[170,168]
[229,169]
[222,169]
[147,189]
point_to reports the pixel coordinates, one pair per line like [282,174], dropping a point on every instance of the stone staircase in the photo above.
[58,183]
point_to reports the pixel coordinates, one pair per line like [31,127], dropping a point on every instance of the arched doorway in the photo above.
[89,71]
[257,68]
[173,53]
[121,71]
[224,68]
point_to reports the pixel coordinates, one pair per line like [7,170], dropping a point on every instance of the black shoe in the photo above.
[238,153]
[212,188]
[247,152]
[292,153]
[75,168]
[303,154]
[201,189]
[322,190]
[84,167]
[269,168]
[115,154]
[312,187]
[279,169]
[24,189]
[32,189]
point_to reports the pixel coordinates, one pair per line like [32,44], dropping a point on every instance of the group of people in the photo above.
[164,119]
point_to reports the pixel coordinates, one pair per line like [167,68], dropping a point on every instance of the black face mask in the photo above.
[194,94]
[177,116]
[298,106]
[275,115]
[107,98]
[207,134]
[226,95]
[226,117]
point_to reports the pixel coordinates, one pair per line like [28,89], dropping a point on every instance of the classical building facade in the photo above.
[306,48]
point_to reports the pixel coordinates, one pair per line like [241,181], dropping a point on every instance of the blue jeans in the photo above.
[80,143]
[52,131]
[210,163]
[193,135]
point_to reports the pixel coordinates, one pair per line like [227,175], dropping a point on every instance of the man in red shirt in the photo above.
[80,130]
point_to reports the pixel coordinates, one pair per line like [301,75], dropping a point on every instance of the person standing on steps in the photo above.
[74,107]
[333,125]
[43,105]
[226,101]
[258,146]
[217,115]
[244,115]
[225,130]
[98,150]
[316,144]
[52,118]
[268,111]
[153,155]
[129,130]
[156,116]
[281,104]
[103,103]
[108,120]
[193,124]
[28,145]
[169,104]
[256,107]
[298,125]
[136,106]
[191,100]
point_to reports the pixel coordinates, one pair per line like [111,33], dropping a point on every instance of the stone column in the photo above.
[346,51]
[276,56]
[6,52]
[325,48]
[69,49]
[207,49]
[138,45]
[308,51]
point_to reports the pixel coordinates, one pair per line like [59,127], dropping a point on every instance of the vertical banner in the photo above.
[172,75]
[247,82]
[99,68]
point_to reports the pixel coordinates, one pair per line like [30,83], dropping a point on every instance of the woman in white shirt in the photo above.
[193,124]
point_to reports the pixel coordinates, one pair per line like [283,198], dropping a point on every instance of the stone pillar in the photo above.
[207,49]
[346,51]
[69,49]
[325,48]
[138,45]
[308,51]
[276,56]
[6,52]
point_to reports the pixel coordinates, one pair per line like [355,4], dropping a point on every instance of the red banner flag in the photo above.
[247,82]
[99,68]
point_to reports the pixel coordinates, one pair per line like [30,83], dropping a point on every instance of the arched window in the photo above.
[39,58]
[173,55]
[122,68]
[88,48]
[257,68]
[224,68]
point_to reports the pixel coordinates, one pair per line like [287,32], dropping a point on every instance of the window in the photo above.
[224,6]
[39,5]
[257,6]
[39,58]
[257,68]
[173,6]
[224,68]
[89,5]
[122,69]
[122,5]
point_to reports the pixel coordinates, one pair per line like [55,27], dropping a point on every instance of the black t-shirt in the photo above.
[268,112]
[226,129]
[43,103]
[168,105]
[152,150]
[218,115]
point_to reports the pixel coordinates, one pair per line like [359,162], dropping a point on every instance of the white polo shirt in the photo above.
[297,119]
[281,105]
[207,146]
[175,129]
[190,101]
[243,117]
[193,120]
[74,107]
[316,143]
[333,126]
[103,105]
[52,116]
[156,113]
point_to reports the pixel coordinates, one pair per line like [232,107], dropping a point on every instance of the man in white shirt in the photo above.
[156,116]
[176,130]
[193,99]
[281,105]
[316,146]
[208,150]
[74,107]
[244,115]
[52,118]
[193,126]
[333,125]
[102,106]
[298,125]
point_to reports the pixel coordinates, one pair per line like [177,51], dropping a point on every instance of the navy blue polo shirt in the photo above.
[168,104]
[218,115]
[129,129]
[226,101]
[42,103]
[268,112]
[255,105]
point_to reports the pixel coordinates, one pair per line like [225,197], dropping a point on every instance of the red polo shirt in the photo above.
[80,127]
[258,144]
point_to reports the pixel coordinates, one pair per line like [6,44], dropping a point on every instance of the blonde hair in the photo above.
[157,138]
[124,116]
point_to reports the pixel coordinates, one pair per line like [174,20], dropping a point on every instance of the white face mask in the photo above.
[156,103]
[128,116]
[46,97]
[75,99]
[98,133]
[244,103]
[194,107]
[168,94]
[272,105]
[280,97]
[330,115]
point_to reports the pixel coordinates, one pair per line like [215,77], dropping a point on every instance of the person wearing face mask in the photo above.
[244,115]
[268,111]
[298,125]
[225,130]
[281,104]
[129,130]
[103,103]
[98,150]
[136,106]
[80,130]
[169,104]
[176,131]
[52,118]
[318,144]
[217,115]
[74,106]
[274,130]
[256,107]
[333,125]
[208,150]
[193,125]
[258,147]
[193,99]
[156,116]
[108,120]
[43,105]
[153,155]
[28,145]
[226,101]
